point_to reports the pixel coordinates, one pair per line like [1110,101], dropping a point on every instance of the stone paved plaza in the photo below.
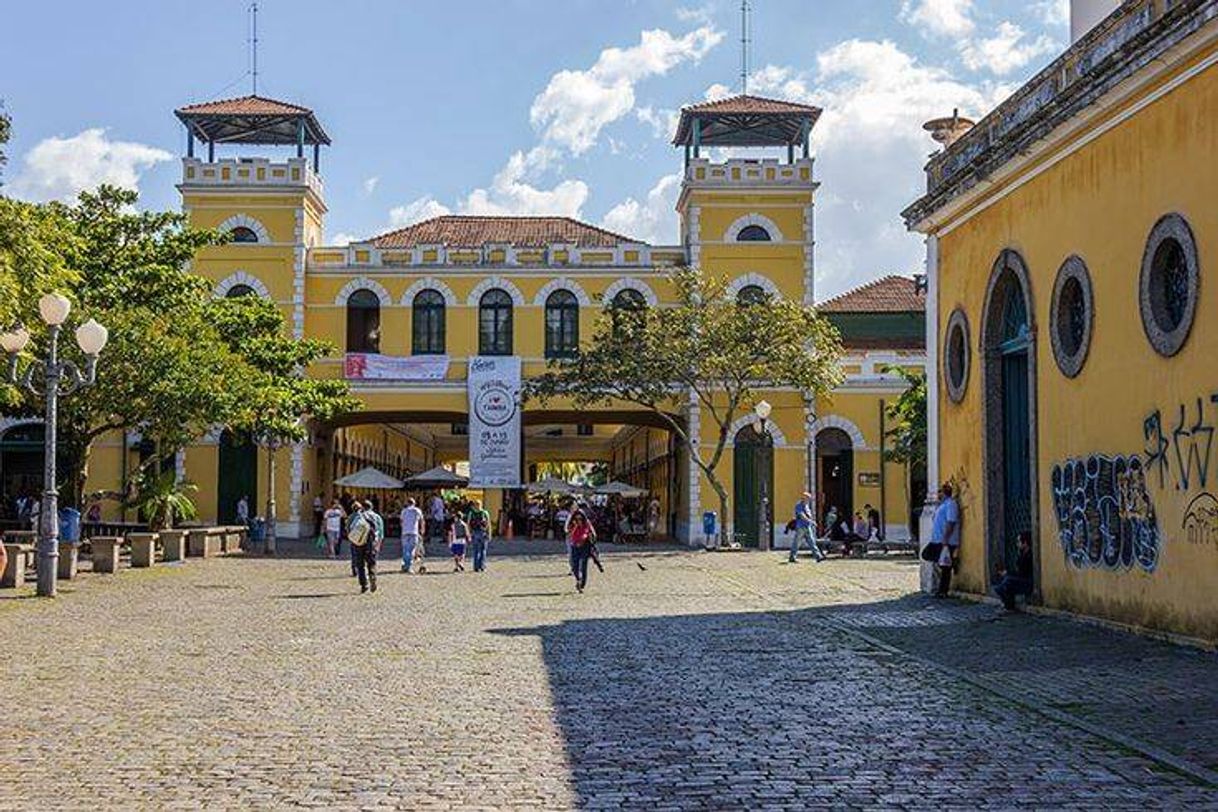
[678,681]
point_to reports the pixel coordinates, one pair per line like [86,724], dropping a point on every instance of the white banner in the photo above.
[494,421]
[366,366]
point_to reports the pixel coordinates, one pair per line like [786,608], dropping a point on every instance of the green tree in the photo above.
[704,345]
[6,128]
[162,499]
[282,399]
[907,429]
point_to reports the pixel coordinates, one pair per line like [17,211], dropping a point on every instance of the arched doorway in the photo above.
[238,476]
[835,458]
[753,491]
[1009,372]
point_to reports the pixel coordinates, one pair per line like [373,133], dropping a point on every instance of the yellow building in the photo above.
[1069,233]
[409,310]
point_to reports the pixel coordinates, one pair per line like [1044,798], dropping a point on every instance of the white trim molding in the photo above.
[490,283]
[429,283]
[741,282]
[561,283]
[240,278]
[753,219]
[750,419]
[244,220]
[630,283]
[833,421]
[362,283]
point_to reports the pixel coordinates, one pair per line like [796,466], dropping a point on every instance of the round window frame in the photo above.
[1074,268]
[958,321]
[1170,226]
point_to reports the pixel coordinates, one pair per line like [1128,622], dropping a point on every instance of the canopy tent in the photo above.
[370,478]
[620,489]
[438,478]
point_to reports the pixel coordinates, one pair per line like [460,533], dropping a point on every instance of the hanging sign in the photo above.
[494,421]
[366,366]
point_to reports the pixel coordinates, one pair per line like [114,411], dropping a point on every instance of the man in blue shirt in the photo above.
[805,529]
[946,532]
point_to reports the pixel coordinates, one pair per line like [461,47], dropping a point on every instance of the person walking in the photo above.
[479,534]
[378,523]
[945,532]
[332,521]
[580,538]
[435,514]
[363,548]
[805,530]
[458,537]
[413,528]
[243,511]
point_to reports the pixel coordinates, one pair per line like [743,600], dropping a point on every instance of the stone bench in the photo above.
[233,540]
[173,545]
[105,552]
[143,549]
[18,561]
[205,542]
[69,557]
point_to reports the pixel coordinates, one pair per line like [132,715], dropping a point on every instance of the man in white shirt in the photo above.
[946,532]
[243,510]
[413,528]
[435,513]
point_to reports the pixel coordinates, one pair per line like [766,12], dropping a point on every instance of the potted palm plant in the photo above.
[161,499]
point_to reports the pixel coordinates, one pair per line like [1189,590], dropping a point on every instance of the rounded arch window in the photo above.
[1168,285]
[751,294]
[238,291]
[363,322]
[243,234]
[495,323]
[956,355]
[562,324]
[753,233]
[628,299]
[1071,316]
[428,323]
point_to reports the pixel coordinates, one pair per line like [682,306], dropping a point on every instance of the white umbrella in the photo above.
[370,478]
[550,485]
[621,489]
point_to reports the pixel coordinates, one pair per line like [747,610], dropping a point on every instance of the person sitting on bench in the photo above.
[1019,582]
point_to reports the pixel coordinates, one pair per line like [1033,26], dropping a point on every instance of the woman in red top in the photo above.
[580,537]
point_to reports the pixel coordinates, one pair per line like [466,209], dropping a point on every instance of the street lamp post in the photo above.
[59,379]
[762,410]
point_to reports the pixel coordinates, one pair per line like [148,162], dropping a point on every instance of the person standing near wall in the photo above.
[945,533]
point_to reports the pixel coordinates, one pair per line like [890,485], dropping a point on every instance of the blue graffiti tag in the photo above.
[1105,516]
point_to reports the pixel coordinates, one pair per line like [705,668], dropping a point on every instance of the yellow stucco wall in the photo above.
[1101,202]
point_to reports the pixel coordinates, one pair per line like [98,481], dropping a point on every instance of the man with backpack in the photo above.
[362,535]
[480,534]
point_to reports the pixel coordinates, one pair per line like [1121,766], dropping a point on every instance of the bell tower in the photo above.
[750,218]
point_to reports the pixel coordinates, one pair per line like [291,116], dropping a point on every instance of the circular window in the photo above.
[1169,284]
[1072,315]
[956,355]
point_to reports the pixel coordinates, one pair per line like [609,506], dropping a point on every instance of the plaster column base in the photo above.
[69,557]
[105,553]
[173,545]
[143,549]
[926,571]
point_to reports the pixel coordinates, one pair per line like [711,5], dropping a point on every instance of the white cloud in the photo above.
[703,14]
[652,220]
[871,149]
[60,168]
[417,210]
[343,238]
[718,91]
[1052,12]
[663,122]
[1005,51]
[370,184]
[511,192]
[577,104]
[944,18]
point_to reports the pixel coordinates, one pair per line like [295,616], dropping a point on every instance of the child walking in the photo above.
[458,537]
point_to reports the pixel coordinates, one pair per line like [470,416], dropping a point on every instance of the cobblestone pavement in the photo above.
[678,681]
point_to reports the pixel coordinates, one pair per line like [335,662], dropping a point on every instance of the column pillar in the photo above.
[926,520]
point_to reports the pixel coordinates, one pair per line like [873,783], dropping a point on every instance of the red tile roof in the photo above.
[889,294]
[745,105]
[472,231]
[246,106]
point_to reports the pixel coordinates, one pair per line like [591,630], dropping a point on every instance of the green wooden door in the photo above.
[238,476]
[753,486]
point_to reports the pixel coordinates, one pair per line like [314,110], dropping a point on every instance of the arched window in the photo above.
[237,291]
[751,294]
[562,324]
[628,299]
[363,322]
[428,324]
[753,234]
[495,323]
[243,234]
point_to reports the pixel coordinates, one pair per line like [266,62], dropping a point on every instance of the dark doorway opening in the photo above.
[238,469]
[753,491]
[835,458]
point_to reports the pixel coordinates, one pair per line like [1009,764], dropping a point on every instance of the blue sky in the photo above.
[519,106]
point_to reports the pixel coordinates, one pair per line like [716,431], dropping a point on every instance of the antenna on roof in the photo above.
[254,44]
[744,46]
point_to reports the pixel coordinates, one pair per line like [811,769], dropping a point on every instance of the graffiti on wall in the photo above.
[1178,451]
[1105,516]
[1201,520]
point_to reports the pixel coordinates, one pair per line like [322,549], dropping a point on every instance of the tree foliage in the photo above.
[705,346]
[907,430]
[6,125]
[162,499]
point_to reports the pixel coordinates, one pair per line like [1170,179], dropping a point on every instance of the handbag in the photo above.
[931,551]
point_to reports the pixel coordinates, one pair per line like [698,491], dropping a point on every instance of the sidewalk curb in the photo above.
[1196,772]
